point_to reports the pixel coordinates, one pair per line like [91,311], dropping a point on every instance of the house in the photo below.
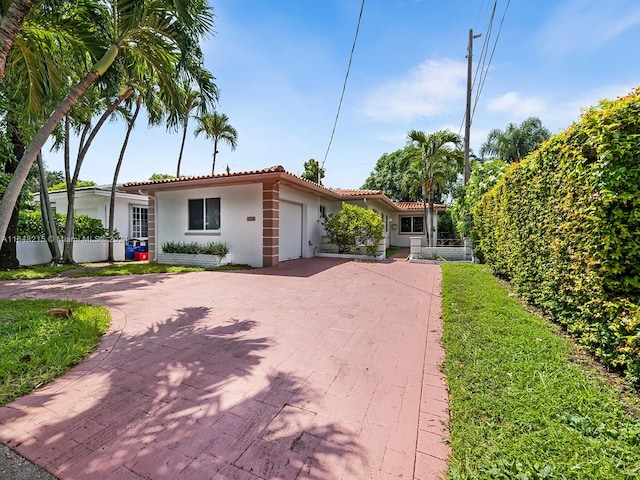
[266,216]
[131,208]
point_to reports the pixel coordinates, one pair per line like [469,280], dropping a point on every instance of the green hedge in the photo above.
[564,226]
[30,226]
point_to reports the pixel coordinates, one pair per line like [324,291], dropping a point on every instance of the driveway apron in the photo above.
[314,369]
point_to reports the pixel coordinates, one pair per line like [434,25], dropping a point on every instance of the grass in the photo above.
[36,347]
[138,268]
[32,273]
[141,268]
[115,269]
[391,251]
[522,406]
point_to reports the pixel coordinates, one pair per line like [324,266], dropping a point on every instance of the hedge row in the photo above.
[30,226]
[563,226]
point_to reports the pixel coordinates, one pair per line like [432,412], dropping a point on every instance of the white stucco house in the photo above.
[131,208]
[266,216]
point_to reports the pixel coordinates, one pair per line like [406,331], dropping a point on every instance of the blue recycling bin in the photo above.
[129,251]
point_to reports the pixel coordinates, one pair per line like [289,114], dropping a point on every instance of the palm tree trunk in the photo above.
[12,191]
[215,152]
[112,200]
[10,26]
[184,138]
[9,249]
[48,222]
[67,255]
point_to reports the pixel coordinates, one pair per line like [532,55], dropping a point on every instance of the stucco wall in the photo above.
[97,206]
[312,229]
[240,220]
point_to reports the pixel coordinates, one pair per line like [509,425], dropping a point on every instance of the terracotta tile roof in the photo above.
[275,169]
[416,206]
[356,193]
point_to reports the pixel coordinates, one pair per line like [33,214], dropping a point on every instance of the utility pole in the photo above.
[467,124]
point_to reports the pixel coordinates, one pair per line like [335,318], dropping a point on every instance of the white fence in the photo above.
[463,253]
[84,251]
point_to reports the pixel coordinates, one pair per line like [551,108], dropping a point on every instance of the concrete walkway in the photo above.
[315,369]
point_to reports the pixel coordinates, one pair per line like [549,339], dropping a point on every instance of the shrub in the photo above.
[221,249]
[30,226]
[354,226]
[563,227]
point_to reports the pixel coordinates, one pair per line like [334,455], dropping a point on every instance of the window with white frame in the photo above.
[204,214]
[323,211]
[139,222]
[412,224]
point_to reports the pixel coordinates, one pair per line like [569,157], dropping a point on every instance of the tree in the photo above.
[389,175]
[10,26]
[437,154]
[215,126]
[354,226]
[313,172]
[160,176]
[516,142]
[160,33]
[484,175]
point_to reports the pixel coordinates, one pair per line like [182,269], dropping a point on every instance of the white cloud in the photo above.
[517,105]
[433,88]
[584,24]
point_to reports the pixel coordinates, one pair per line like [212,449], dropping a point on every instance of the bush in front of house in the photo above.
[354,226]
[220,249]
[30,226]
[563,227]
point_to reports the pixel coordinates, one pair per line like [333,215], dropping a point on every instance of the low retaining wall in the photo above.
[84,251]
[190,260]
[453,254]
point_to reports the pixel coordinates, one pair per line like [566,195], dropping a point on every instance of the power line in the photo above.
[344,87]
[495,44]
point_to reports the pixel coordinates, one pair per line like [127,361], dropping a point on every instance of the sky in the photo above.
[280,66]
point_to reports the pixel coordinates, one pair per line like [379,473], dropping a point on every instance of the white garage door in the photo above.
[290,230]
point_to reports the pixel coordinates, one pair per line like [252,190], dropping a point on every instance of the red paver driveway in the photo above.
[314,369]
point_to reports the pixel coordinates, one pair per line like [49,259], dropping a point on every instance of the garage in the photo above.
[290,230]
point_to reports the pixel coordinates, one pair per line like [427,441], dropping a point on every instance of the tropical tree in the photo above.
[484,175]
[389,175]
[516,142]
[215,126]
[313,172]
[10,25]
[160,32]
[434,155]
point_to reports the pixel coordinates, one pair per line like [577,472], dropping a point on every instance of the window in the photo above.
[323,211]
[204,213]
[139,222]
[411,224]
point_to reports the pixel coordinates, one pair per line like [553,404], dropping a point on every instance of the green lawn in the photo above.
[125,268]
[522,404]
[36,347]
[31,273]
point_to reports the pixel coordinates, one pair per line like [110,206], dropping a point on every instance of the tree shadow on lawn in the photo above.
[182,400]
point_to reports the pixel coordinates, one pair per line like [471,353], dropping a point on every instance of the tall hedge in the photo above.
[564,226]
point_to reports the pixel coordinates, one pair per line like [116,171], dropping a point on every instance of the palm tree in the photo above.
[435,154]
[161,33]
[11,23]
[191,102]
[516,142]
[216,127]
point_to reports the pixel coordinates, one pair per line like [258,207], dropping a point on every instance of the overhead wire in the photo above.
[495,44]
[482,57]
[344,88]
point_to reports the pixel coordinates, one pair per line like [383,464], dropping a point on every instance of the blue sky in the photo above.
[280,67]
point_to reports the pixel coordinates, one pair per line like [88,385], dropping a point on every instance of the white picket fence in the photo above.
[84,251]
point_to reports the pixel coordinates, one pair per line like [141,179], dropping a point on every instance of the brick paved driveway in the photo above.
[314,369]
